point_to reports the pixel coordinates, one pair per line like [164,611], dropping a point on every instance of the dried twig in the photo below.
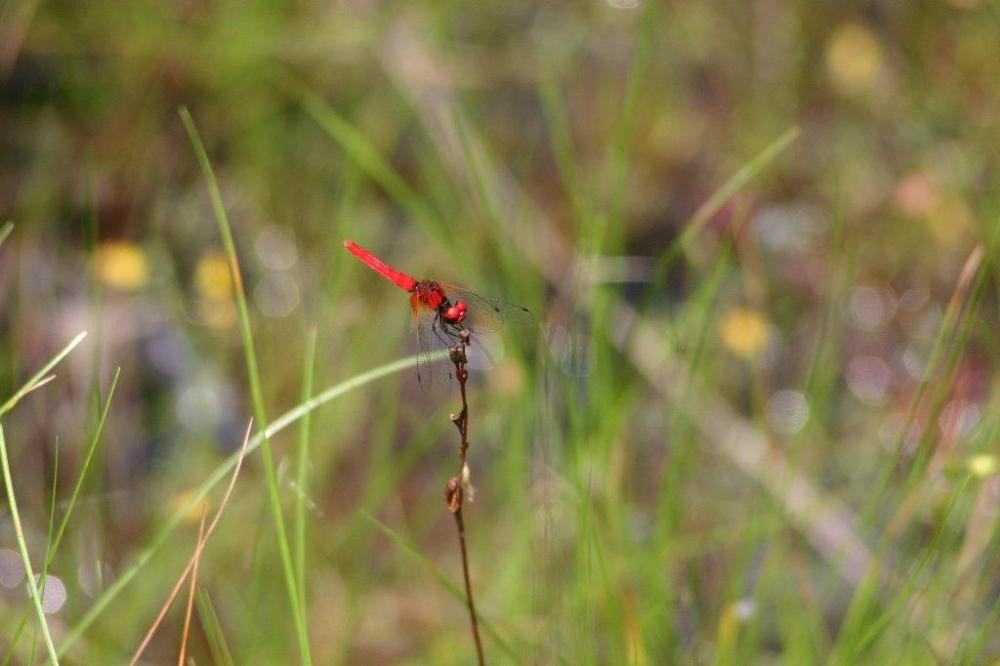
[197,553]
[194,582]
[824,520]
[459,485]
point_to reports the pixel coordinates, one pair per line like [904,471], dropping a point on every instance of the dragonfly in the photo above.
[442,312]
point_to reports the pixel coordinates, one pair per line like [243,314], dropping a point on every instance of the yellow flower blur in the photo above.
[211,277]
[983,465]
[121,264]
[744,332]
[853,58]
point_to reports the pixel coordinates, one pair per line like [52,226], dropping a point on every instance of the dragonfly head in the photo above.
[455,313]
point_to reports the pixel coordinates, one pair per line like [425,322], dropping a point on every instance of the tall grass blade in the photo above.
[452,587]
[36,597]
[55,538]
[719,198]
[361,150]
[256,390]
[302,471]
[88,458]
[214,634]
[217,475]
[5,230]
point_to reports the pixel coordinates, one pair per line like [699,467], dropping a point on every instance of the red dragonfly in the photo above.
[442,311]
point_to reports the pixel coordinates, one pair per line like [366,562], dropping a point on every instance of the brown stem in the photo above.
[456,486]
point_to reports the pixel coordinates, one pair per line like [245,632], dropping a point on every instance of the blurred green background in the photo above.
[756,421]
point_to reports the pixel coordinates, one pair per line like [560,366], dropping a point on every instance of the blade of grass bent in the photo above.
[220,472]
[719,198]
[39,376]
[256,391]
[448,584]
[23,547]
[362,152]
[5,231]
[56,536]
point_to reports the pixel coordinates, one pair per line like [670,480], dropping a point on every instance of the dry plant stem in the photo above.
[456,485]
[202,540]
[194,583]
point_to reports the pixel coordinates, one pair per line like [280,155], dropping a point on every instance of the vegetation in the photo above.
[756,419]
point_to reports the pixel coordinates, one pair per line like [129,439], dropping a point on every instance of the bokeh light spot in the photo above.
[276,295]
[193,514]
[950,220]
[869,379]
[53,593]
[871,307]
[916,194]
[276,248]
[121,265]
[744,332]
[11,568]
[983,465]
[788,411]
[211,277]
[853,58]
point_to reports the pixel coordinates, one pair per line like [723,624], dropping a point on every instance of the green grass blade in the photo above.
[616,165]
[256,390]
[302,471]
[940,365]
[452,587]
[52,503]
[91,449]
[5,231]
[39,377]
[720,197]
[214,635]
[561,140]
[53,547]
[36,598]
[361,150]
[220,473]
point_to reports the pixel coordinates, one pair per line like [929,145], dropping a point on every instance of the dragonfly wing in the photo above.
[487,315]
[433,369]
[485,351]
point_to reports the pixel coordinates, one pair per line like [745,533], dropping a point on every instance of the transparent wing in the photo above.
[489,315]
[486,318]
[433,366]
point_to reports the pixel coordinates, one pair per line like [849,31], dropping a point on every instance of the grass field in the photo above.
[756,418]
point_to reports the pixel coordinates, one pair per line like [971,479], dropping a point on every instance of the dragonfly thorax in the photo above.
[430,294]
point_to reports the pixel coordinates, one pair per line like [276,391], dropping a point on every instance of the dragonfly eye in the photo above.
[455,314]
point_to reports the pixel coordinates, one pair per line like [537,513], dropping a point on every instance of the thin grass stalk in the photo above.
[256,390]
[48,544]
[194,584]
[50,552]
[217,475]
[720,197]
[5,231]
[202,540]
[33,590]
[449,585]
[302,471]
[213,630]
[39,379]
